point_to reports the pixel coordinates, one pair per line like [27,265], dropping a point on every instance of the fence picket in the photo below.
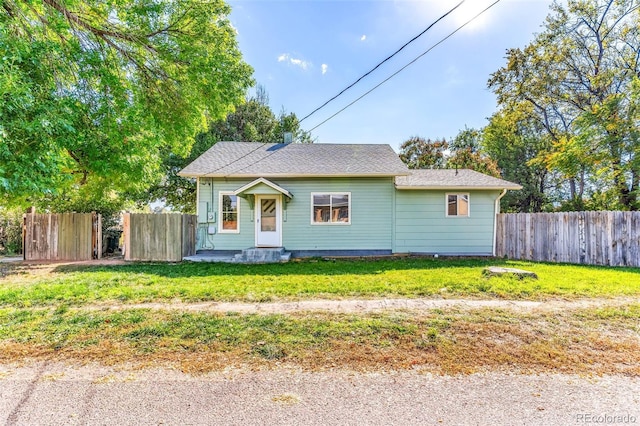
[62,236]
[159,237]
[595,238]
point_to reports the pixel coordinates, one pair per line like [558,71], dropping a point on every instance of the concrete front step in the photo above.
[250,255]
[262,255]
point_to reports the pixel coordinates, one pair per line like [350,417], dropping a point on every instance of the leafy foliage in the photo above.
[420,153]
[516,144]
[99,91]
[10,231]
[575,84]
[467,153]
[251,121]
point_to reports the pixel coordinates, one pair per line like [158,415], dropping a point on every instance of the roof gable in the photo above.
[253,159]
[262,186]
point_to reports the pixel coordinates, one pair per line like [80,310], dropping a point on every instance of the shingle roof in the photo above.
[252,159]
[451,179]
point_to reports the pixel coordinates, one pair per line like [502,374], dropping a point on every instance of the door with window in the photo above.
[268,221]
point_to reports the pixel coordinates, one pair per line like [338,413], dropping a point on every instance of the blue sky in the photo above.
[304,52]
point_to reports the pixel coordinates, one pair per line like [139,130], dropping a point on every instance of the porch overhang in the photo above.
[262,186]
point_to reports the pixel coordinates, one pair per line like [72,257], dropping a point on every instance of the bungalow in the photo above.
[318,199]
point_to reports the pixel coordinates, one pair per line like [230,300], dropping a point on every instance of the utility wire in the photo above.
[407,65]
[380,63]
[259,145]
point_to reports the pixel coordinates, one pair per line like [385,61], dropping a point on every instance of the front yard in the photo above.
[316,278]
[81,313]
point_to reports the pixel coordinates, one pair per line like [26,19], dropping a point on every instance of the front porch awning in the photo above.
[262,186]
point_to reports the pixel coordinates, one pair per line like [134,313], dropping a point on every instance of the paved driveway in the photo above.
[54,394]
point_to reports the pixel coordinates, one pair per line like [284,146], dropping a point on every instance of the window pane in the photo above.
[320,214]
[229,203]
[321,200]
[463,205]
[452,205]
[340,208]
[230,221]
[321,208]
[268,215]
[230,212]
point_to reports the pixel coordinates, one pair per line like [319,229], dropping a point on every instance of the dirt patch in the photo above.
[370,305]
[42,267]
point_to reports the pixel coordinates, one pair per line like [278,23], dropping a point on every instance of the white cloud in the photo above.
[325,68]
[285,57]
[363,37]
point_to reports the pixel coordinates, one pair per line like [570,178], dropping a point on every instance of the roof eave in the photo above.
[288,175]
[457,188]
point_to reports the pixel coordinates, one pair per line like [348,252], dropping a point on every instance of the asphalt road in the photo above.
[55,394]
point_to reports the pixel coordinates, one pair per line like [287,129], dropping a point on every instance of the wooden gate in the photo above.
[62,236]
[159,237]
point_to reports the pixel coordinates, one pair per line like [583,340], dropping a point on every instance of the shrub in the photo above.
[10,231]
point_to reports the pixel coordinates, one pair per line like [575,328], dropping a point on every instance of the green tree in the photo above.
[420,153]
[467,153]
[95,93]
[517,145]
[251,121]
[576,81]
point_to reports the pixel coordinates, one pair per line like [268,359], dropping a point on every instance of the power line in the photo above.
[380,63]
[407,65]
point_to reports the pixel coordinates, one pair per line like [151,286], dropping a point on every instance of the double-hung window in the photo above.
[229,212]
[331,208]
[457,205]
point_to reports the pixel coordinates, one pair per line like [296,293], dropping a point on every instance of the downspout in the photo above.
[496,210]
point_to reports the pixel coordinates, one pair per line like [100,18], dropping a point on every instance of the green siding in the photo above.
[422,226]
[418,219]
[209,191]
[371,215]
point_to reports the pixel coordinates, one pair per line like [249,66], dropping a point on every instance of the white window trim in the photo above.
[457,194]
[314,223]
[221,213]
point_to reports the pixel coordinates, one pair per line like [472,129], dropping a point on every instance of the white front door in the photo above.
[268,221]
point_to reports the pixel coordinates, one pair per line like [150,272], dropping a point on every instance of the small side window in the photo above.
[229,213]
[457,205]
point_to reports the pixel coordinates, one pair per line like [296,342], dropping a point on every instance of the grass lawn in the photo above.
[44,315]
[452,341]
[315,278]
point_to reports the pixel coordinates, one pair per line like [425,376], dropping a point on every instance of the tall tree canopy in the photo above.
[251,121]
[577,82]
[467,152]
[420,153]
[95,92]
[516,144]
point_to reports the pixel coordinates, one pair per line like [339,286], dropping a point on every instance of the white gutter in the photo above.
[495,220]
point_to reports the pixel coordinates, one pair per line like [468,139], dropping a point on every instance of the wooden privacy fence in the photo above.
[159,237]
[62,236]
[593,238]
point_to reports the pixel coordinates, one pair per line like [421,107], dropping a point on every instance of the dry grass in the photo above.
[588,341]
